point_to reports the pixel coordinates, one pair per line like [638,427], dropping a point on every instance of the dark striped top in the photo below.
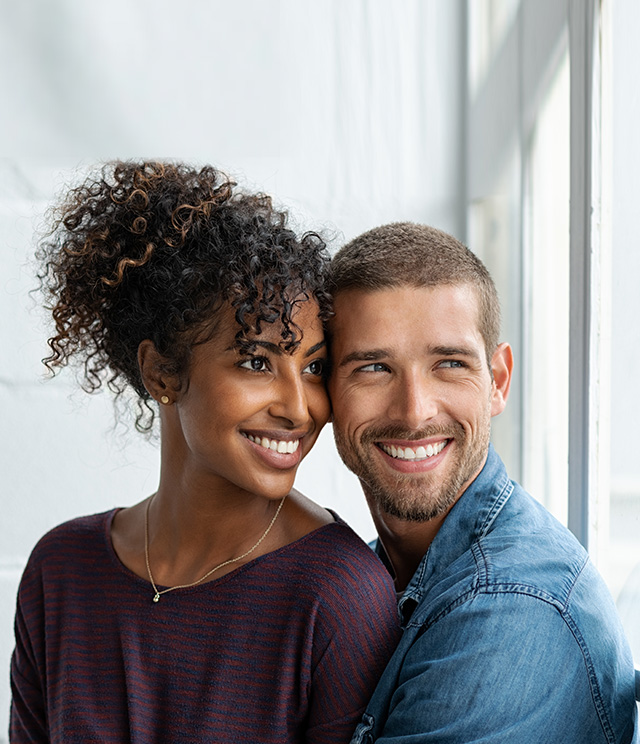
[286,648]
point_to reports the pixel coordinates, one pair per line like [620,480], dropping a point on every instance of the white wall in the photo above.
[347,111]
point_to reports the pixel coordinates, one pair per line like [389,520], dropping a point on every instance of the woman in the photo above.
[226,607]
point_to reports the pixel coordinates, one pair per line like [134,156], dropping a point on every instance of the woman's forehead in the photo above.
[303,321]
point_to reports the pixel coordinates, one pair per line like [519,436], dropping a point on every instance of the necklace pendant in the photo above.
[156,597]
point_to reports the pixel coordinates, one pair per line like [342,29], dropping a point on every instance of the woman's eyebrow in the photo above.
[245,347]
[249,346]
[314,349]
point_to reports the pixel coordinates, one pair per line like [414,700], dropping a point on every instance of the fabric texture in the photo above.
[286,648]
[510,635]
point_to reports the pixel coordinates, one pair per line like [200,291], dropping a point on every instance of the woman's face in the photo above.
[247,416]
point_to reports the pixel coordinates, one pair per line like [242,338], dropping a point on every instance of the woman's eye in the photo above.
[255,364]
[316,367]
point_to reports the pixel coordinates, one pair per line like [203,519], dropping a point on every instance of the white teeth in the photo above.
[276,445]
[408,453]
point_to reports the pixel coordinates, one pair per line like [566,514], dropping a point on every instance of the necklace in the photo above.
[158,593]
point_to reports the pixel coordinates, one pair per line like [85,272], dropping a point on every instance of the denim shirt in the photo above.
[509,635]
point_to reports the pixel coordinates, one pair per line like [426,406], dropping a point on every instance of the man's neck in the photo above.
[405,543]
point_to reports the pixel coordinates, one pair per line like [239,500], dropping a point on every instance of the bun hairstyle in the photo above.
[151,250]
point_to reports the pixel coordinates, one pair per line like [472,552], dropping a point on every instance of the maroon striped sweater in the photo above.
[286,648]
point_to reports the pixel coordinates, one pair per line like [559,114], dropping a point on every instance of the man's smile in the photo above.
[419,452]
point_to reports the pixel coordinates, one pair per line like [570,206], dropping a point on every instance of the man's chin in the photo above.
[411,508]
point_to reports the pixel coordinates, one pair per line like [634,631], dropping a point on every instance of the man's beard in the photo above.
[417,497]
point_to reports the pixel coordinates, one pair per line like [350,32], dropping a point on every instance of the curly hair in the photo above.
[151,250]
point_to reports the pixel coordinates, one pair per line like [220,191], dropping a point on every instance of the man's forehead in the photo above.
[454,296]
[434,316]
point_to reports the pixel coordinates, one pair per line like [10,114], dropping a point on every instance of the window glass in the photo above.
[489,21]
[546,300]
[623,565]
[518,223]
[494,235]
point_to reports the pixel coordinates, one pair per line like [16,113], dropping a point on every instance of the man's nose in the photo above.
[414,400]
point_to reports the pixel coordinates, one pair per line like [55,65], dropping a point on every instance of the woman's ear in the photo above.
[502,368]
[153,372]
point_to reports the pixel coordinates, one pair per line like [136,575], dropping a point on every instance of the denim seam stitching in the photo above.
[482,578]
[489,588]
[593,681]
[596,693]
[534,592]
[497,505]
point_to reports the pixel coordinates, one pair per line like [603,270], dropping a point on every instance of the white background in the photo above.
[348,112]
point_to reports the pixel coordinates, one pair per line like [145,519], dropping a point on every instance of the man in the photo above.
[510,635]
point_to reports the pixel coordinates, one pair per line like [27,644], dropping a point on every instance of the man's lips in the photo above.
[414,451]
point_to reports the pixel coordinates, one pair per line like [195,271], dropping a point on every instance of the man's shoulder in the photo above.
[526,546]
[520,549]
[522,608]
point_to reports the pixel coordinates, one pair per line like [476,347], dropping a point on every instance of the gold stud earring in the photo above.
[164,399]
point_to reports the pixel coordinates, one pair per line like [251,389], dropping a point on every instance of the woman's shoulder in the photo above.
[74,535]
[335,556]
[341,586]
[321,530]
[338,538]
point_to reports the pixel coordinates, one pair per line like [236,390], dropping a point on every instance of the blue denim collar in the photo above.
[470,518]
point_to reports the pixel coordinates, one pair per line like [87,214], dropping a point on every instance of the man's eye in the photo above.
[452,364]
[255,364]
[374,367]
[316,367]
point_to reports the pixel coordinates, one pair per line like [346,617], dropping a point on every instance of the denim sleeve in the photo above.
[500,668]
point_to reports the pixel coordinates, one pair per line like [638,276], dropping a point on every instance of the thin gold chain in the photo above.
[158,593]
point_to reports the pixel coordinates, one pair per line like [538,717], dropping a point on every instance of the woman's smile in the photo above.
[278,452]
[251,411]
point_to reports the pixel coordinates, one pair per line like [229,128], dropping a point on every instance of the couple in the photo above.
[227,607]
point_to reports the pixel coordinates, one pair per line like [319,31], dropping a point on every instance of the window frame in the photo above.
[504,110]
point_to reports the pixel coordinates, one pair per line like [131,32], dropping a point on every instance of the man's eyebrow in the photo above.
[376,355]
[450,351]
[372,355]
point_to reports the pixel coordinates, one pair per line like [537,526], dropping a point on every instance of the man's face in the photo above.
[412,395]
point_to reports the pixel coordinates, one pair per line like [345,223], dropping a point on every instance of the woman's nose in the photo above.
[290,401]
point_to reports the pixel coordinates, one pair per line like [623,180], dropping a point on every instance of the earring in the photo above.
[164,399]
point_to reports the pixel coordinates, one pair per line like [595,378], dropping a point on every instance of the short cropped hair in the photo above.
[409,254]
